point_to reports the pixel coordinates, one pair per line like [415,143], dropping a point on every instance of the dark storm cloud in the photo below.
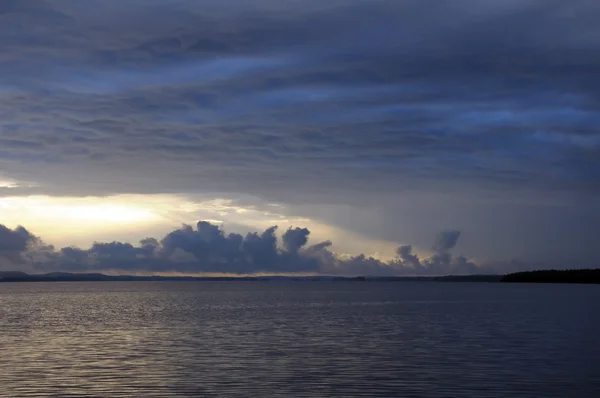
[445,241]
[14,243]
[499,94]
[14,240]
[295,238]
[206,248]
[408,257]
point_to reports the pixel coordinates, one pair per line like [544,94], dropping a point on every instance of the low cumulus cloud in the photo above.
[13,244]
[207,248]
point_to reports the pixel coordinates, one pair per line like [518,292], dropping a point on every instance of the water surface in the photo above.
[299,339]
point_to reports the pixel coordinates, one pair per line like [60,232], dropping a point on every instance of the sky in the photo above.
[380,136]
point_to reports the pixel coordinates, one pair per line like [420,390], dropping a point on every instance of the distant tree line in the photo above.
[555,276]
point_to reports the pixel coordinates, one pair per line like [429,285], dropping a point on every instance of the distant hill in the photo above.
[591,276]
[13,275]
[96,277]
[542,276]
[448,278]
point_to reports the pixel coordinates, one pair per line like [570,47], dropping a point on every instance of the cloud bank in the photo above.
[416,92]
[207,248]
[387,104]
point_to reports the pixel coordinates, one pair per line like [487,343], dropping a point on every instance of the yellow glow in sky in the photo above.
[80,221]
[86,210]
[5,183]
[104,213]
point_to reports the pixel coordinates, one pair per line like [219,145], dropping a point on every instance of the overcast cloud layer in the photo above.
[431,115]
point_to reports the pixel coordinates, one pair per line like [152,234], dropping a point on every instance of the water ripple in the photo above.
[339,339]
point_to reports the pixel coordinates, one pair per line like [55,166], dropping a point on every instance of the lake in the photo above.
[299,339]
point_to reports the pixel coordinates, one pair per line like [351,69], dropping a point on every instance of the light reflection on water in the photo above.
[302,339]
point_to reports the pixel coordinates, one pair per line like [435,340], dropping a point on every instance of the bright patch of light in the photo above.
[84,211]
[106,213]
[8,184]
[81,221]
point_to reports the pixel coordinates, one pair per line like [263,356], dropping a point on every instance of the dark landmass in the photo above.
[556,276]
[96,277]
[546,276]
[449,278]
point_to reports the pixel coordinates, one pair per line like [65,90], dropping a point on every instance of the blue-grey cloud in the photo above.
[295,238]
[408,257]
[206,248]
[14,239]
[445,241]
[354,89]
[307,102]
[14,244]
